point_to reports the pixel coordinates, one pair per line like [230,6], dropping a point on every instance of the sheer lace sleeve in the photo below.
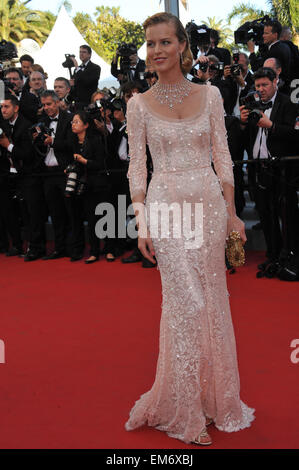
[137,173]
[220,153]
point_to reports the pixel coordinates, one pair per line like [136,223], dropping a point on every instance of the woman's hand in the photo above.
[80,159]
[146,247]
[234,223]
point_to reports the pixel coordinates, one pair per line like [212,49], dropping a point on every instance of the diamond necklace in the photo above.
[171,94]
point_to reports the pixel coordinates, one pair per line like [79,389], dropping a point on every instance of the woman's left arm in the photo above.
[222,160]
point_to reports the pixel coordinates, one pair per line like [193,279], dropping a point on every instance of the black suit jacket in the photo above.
[29,106]
[140,68]
[230,87]
[281,51]
[22,154]
[63,141]
[222,54]
[282,139]
[86,83]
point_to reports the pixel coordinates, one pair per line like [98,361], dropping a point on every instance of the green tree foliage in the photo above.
[225,32]
[107,30]
[17,22]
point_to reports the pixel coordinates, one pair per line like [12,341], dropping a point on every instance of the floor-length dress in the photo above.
[197,372]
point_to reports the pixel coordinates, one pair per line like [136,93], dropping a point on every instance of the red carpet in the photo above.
[81,346]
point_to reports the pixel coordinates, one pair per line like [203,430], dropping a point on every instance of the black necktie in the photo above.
[11,127]
[54,120]
[269,104]
[82,66]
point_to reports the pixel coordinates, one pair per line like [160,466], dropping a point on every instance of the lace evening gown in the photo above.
[197,372]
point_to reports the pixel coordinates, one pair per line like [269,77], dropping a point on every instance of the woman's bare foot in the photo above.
[204,439]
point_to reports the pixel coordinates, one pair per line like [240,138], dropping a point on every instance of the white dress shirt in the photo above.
[10,149]
[260,144]
[50,159]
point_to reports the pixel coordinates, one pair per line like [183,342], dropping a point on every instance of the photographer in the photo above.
[273,47]
[275,65]
[62,88]
[220,52]
[89,154]
[86,77]
[271,134]
[131,68]
[26,62]
[238,82]
[14,77]
[55,148]
[30,102]
[20,153]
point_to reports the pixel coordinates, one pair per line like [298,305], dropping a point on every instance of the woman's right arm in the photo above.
[137,174]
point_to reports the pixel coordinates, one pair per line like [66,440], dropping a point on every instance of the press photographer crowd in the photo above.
[64,151]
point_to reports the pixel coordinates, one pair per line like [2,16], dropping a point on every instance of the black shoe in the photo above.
[264,265]
[14,252]
[135,257]
[76,258]
[90,261]
[32,256]
[146,263]
[55,255]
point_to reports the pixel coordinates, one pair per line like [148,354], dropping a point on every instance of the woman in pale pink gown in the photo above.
[197,379]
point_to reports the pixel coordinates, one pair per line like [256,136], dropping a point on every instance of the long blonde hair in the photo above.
[186,57]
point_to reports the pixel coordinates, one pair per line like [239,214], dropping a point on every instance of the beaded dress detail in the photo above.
[197,372]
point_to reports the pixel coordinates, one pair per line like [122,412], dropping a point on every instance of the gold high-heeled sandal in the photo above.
[204,439]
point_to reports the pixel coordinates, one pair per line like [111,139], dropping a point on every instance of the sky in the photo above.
[139,10]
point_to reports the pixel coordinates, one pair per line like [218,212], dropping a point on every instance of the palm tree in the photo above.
[246,12]
[18,22]
[226,34]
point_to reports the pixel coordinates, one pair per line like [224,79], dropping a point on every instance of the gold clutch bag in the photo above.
[234,249]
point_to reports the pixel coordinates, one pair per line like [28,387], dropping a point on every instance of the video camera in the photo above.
[42,131]
[254,104]
[125,51]
[199,36]
[8,51]
[251,31]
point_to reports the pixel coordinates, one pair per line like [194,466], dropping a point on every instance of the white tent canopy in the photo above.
[66,39]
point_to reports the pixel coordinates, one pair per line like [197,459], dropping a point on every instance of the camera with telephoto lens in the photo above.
[42,132]
[75,181]
[251,31]
[235,68]
[94,110]
[68,63]
[254,104]
[199,36]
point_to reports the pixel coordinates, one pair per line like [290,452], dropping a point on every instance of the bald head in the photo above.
[273,64]
[36,80]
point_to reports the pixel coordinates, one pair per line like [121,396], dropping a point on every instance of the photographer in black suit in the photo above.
[14,76]
[56,153]
[220,52]
[238,81]
[272,136]
[131,68]
[86,78]
[30,102]
[9,176]
[21,154]
[273,47]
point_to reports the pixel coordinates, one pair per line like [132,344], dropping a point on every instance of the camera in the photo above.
[219,67]
[8,51]
[235,68]
[42,131]
[198,36]
[76,180]
[251,31]
[68,63]
[148,75]
[94,110]
[254,104]
[125,51]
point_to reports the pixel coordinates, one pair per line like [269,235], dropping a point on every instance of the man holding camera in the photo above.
[56,150]
[271,134]
[86,77]
[14,77]
[16,163]
[30,102]
[131,69]
[273,47]
[238,82]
